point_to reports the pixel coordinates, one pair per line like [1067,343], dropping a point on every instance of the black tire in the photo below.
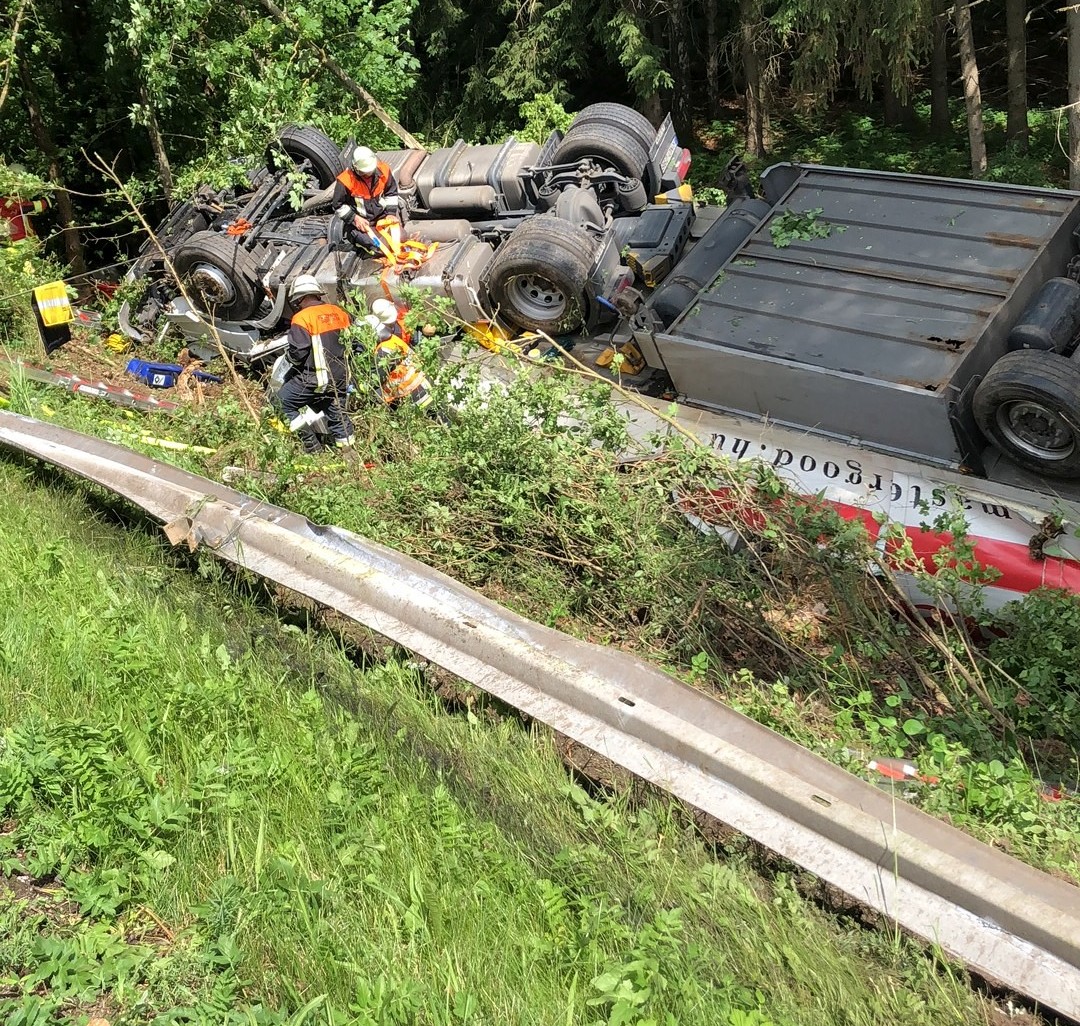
[302,142]
[538,278]
[220,274]
[1028,406]
[636,125]
[609,145]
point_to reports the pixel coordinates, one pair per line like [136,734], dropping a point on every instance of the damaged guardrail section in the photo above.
[1003,919]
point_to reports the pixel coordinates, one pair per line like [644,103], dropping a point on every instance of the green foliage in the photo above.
[344,833]
[1037,653]
[80,798]
[625,29]
[850,137]
[805,226]
[222,64]
[542,115]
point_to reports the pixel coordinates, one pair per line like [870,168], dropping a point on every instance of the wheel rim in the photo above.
[533,296]
[213,284]
[1036,430]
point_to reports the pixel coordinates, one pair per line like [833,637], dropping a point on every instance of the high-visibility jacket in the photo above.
[398,327]
[400,373]
[316,347]
[366,192]
[15,212]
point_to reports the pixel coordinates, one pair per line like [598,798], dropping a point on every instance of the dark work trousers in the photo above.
[298,392]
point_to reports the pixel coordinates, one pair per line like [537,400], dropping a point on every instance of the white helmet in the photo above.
[382,332]
[385,311]
[364,160]
[305,285]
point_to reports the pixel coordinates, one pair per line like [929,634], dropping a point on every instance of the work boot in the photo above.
[310,441]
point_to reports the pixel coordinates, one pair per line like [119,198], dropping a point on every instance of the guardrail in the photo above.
[1008,922]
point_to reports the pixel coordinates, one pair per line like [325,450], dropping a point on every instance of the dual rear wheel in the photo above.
[1028,406]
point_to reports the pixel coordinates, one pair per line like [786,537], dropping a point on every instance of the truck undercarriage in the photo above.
[929,319]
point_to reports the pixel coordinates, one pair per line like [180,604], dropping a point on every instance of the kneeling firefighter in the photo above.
[401,377]
[318,372]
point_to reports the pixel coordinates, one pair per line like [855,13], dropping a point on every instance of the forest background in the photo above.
[166,91]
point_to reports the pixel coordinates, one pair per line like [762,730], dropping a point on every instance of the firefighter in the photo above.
[401,377]
[393,317]
[318,374]
[15,215]
[366,199]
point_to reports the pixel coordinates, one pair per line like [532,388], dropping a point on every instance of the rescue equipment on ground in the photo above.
[53,313]
[165,375]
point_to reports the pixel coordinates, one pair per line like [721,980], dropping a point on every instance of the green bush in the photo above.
[1039,659]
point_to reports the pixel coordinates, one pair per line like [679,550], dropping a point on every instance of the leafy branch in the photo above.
[804,226]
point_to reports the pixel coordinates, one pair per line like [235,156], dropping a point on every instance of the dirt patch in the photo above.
[87,356]
[45,899]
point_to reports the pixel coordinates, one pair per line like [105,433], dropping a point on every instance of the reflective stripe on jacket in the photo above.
[15,212]
[315,345]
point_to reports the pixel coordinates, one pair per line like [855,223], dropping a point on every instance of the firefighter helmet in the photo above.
[305,285]
[364,160]
[385,310]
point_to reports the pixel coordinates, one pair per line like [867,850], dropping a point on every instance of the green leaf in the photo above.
[158,859]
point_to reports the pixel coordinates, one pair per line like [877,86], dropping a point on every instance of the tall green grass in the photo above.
[329,845]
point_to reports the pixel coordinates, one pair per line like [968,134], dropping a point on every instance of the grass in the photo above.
[792,633]
[232,823]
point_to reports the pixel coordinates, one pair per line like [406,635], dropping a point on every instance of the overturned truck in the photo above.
[931,320]
[538,233]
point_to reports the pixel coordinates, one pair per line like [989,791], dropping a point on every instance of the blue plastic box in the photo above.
[163,375]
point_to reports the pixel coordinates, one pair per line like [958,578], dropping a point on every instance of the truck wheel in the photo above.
[1028,405]
[538,277]
[609,145]
[636,125]
[222,275]
[302,142]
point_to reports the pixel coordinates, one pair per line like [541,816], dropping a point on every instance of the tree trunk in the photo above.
[712,57]
[73,247]
[1073,21]
[940,121]
[757,115]
[653,108]
[1016,127]
[899,113]
[682,105]
[157,144]
[969,74]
